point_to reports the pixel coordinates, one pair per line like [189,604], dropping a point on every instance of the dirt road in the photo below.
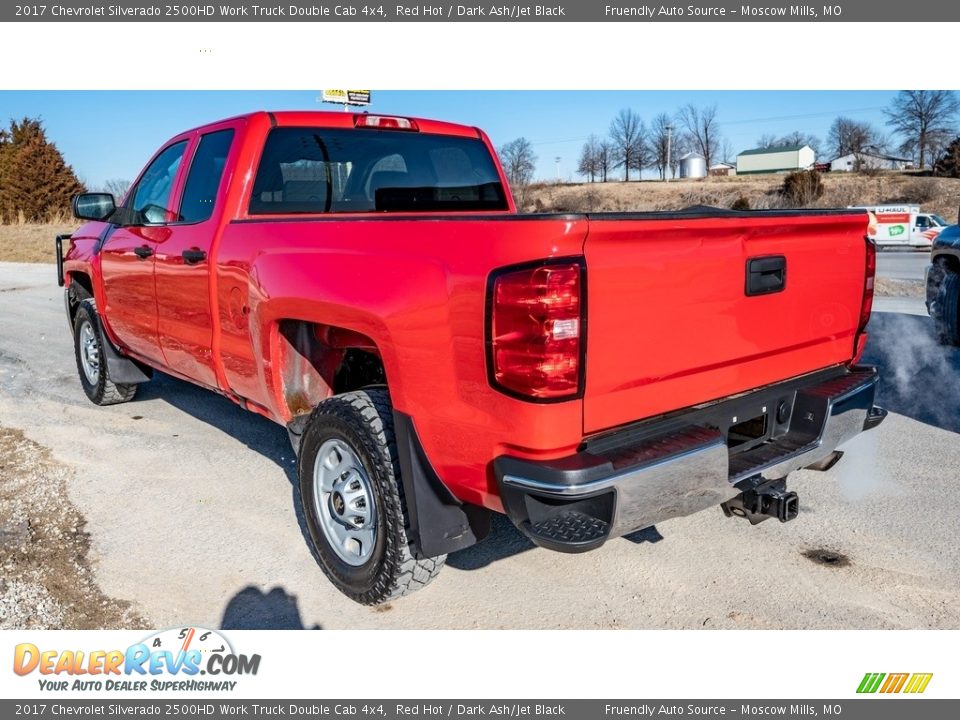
[185,505]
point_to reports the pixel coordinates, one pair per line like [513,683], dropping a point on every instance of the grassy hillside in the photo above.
[30,243]
[939,195]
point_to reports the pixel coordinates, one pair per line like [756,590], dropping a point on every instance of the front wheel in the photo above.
[88,344]
[352,499]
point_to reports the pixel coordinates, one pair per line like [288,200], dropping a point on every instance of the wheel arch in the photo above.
[79,288]
[950,257]
[313,360]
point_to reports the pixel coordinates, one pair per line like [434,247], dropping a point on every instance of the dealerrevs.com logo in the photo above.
[910,683]
[169,660]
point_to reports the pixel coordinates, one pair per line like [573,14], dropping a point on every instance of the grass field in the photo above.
[30,243]
[938,195]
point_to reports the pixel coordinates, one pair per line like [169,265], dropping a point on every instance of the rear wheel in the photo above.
[88,344]
[352,499]
[947,315]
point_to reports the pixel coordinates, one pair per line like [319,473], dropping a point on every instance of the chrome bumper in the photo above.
[654,471]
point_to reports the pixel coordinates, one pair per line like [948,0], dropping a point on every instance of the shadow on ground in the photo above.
[253,609]
[919,377]
[255,431]
[505,541]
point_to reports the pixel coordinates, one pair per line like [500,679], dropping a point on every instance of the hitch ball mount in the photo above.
[761,499]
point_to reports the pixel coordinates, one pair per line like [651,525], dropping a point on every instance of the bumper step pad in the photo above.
[571,529]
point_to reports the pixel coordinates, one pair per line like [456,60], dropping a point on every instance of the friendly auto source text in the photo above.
[651,11]
[715,710]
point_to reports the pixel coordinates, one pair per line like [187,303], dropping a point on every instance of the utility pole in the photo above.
[557,160]
[666,170]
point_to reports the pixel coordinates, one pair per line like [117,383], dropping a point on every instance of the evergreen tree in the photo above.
[35,180]
[948,165]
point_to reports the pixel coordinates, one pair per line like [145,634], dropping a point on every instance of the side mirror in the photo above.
[93,206]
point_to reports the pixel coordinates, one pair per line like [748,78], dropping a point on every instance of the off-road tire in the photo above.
[947,320]
[104,391]
[364,420]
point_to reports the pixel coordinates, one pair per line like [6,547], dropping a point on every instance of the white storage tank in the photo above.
[693,165]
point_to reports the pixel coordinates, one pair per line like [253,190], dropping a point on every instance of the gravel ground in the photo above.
[889,287]
[47,582]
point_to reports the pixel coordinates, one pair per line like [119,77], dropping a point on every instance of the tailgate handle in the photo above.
[766,275]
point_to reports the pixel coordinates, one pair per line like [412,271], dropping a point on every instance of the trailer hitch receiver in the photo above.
[760,499]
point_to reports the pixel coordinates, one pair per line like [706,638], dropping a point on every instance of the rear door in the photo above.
[128,253]
[185,321]
[671,320]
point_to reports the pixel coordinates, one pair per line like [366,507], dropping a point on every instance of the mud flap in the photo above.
[439,522]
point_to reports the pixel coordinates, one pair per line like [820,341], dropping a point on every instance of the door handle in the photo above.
[143,252]
[766,275]
[193,256]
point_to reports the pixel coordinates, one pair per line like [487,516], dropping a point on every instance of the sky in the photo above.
[109,135]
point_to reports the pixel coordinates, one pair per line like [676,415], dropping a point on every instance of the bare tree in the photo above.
[117,187]
[683,143]
[628,138]
[519,163]
[926,120]
[661,140]
[726,153]
[589,164]
[798,137]
[767,140]
[854,137]
[642,156]
[702,127]
[604,159]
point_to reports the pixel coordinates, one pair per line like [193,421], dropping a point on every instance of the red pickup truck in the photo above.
[367,282]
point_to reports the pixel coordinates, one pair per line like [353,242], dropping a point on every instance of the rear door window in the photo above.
[323,170]
[203,180]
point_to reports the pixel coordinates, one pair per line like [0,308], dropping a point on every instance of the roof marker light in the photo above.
[384,122]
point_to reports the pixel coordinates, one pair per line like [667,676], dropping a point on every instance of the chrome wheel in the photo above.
[344,501]
[89,353]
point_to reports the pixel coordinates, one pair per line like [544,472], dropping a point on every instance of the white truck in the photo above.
[903,225]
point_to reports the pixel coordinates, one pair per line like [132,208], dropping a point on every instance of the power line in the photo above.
[825,113]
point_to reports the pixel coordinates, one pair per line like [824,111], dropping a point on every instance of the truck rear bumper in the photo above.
[642,474]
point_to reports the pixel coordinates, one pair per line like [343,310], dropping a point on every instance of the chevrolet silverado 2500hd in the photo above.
[367,282]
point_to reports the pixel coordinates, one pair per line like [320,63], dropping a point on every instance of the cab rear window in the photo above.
[322,170]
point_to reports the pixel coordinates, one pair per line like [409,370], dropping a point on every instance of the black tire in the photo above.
[947,312]
[98,387]
[363,420]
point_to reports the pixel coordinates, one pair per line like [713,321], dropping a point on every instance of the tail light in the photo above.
[866,305]
[535,331]
[384,122]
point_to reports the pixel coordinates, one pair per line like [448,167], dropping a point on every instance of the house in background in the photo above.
[722,169]
[775,159]
[871,160]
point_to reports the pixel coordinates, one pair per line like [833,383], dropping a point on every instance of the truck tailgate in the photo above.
[670,323]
